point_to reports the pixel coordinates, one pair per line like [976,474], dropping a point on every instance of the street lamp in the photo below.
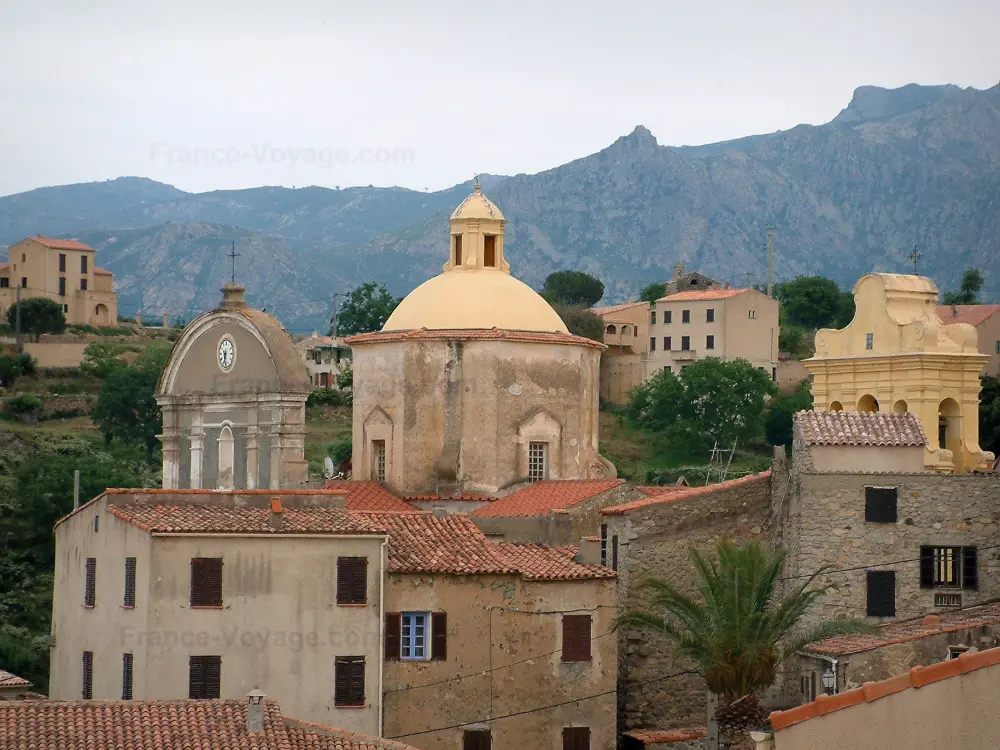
[829,678]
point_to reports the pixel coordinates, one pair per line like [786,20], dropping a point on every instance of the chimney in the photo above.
[255,711]
[232,295]
[590,551]
[274,517]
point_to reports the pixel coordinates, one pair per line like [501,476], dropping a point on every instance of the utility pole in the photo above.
[17,321]
[770,262]
[333,318]
[76,489]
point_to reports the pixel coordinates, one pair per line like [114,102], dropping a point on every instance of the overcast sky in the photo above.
[209,94]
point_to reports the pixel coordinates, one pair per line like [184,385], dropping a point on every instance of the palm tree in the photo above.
[740,630]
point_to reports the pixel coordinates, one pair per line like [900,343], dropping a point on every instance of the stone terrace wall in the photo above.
[653,541]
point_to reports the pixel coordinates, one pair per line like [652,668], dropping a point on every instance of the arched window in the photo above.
[900,406]
[610,329]
[836,406]
[867,403]
[227,458]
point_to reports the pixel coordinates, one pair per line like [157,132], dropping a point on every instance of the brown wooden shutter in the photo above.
[393,633]
[576,638]
[90,587]
[477,739]
[439,636]
[126,677]
[349,681]
[129,581]
[880,504]
[926,567]
[205,677]
[881,593]
[352,580]
[576,738]
[970,568]
[206,581]
[88,675]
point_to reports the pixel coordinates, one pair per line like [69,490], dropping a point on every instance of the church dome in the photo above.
[474,298]
[477,206]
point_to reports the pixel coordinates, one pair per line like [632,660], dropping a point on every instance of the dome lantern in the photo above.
[477,227]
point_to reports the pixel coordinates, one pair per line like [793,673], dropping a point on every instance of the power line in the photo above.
[869,566]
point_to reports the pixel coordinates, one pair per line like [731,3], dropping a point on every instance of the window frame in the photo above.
[380,460]
[710,315]
[964,564]
[128,598]
[873,604]
[83,263]
[408,641]
[604,544]
[874,512]
[652,343]
[668,317]
[652,317]
[62,286]
[538,451]
[685,343]
[575,647]
[869,341]
[345,693]
[90,583]
[685,316]
[62,262]
[128,676]
[205,662]
[668,343]
[709,341]
[87,676]
[351,590]
[207,598]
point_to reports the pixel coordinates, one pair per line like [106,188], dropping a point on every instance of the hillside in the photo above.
[915,166]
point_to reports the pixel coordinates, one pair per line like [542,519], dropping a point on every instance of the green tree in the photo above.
[653,292]
[811,302]
[573,288]
[345,378]
[795,341]
[738,629]
[38,315]
[126,408]
[100,358]
[9,371]
[968,293]
[989,415]
[366,308]
[581,321]
[781,414]
[710,401]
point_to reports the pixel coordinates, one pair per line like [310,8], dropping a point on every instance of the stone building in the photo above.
[474,383]
[325,357]
[690,281]
[233,396]
[986,320]
[64,271]
[899,355]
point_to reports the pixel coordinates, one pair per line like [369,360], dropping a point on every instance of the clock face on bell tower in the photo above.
[227,354]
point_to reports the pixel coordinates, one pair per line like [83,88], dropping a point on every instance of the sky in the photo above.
[209,94]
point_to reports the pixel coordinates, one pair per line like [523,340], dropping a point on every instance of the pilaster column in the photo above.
[253,457]
[197,443]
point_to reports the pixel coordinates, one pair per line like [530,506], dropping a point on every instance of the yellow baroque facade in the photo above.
[897,354]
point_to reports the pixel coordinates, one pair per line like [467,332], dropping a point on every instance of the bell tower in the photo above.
[477,235]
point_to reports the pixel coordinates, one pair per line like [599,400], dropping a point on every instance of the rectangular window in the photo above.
[710,315]
[490,251]
[206,581]
[652,318]
[24,282]
[458,249]
[90,584]
[576,638]
[604,544]
[652,343]
[685,343]
[349,681]
[667,344]
[538,461]
[352,580]
[87,691]
[710,342]
[869,340]
[413,636]
[685,316]
[752,314]
[880,504]
[949,566]
[668,316]
[948,599]
[62,286]
[378,460]
[83,285]
[998,346]
[205,677]
[83,264]
[881,593]
[477,739]
[129,582]
[62,262]
[4,283]
[576,738]
[126,677]
[66,309]
[668,368]
[614,552]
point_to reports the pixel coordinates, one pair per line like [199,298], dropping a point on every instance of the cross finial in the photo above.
[476,186]
[914,257]
[233,255]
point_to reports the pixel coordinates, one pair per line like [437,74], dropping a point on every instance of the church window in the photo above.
[538,461]
[490,250]
[869,340]
[458,249]
[378,460]
[226,458]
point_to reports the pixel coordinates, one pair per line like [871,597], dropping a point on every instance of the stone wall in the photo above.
[654,538]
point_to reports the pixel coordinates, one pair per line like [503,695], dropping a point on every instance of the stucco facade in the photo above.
[233,397]
[64,271]
[623,363]
[898,355]
[325,357]
[986,320]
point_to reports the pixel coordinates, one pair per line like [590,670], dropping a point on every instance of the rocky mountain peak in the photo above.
[877,103]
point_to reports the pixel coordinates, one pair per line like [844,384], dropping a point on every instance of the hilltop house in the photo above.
[325,357]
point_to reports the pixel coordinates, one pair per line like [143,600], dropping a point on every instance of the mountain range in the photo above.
[914,167]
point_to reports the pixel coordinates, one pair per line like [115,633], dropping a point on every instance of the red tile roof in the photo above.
[696,295]
[655,490]
[473,334]
[909,630]
[872,691]
[166,725]
[369,496]
[874,428]
[12,680]
[102,271]
[681,493]
[541,497]
[59,243]
[657,736]
[541,563]
[208,519]
[428,497]
[450,544]
[607,309]
[972,314]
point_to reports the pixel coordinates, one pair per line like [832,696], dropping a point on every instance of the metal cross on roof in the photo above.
[233,255]
[914,257]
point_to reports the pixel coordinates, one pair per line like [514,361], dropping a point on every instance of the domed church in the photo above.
[474,384]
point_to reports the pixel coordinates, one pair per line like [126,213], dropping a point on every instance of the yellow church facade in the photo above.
[898,355]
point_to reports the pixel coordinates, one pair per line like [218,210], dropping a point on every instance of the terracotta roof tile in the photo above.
[910,630]
[474,334]
[12,680]
[657,736]
[369,496]
[974,315]
[471,497]
[915,678]
[451,544]
[607,309]
[695,295]
[879,428]
[59,243]
[681,493]
[541,563]
[206,519]
[102,271]
[166,725]
[656,490]
[541,497]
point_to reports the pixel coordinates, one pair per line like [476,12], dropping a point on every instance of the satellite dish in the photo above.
[328,469]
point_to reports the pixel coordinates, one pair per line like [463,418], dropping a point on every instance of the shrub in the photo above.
[340,450]
[328,397]
[26,363]
[23,406]
[8,371]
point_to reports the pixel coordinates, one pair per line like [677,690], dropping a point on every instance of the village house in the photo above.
[12,687]
[325,358]
[64,271]
[986,320]
[626,335]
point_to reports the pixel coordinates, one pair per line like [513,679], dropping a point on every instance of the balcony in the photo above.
[683,355]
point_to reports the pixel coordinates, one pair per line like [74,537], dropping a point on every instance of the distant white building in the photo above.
[325,357]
